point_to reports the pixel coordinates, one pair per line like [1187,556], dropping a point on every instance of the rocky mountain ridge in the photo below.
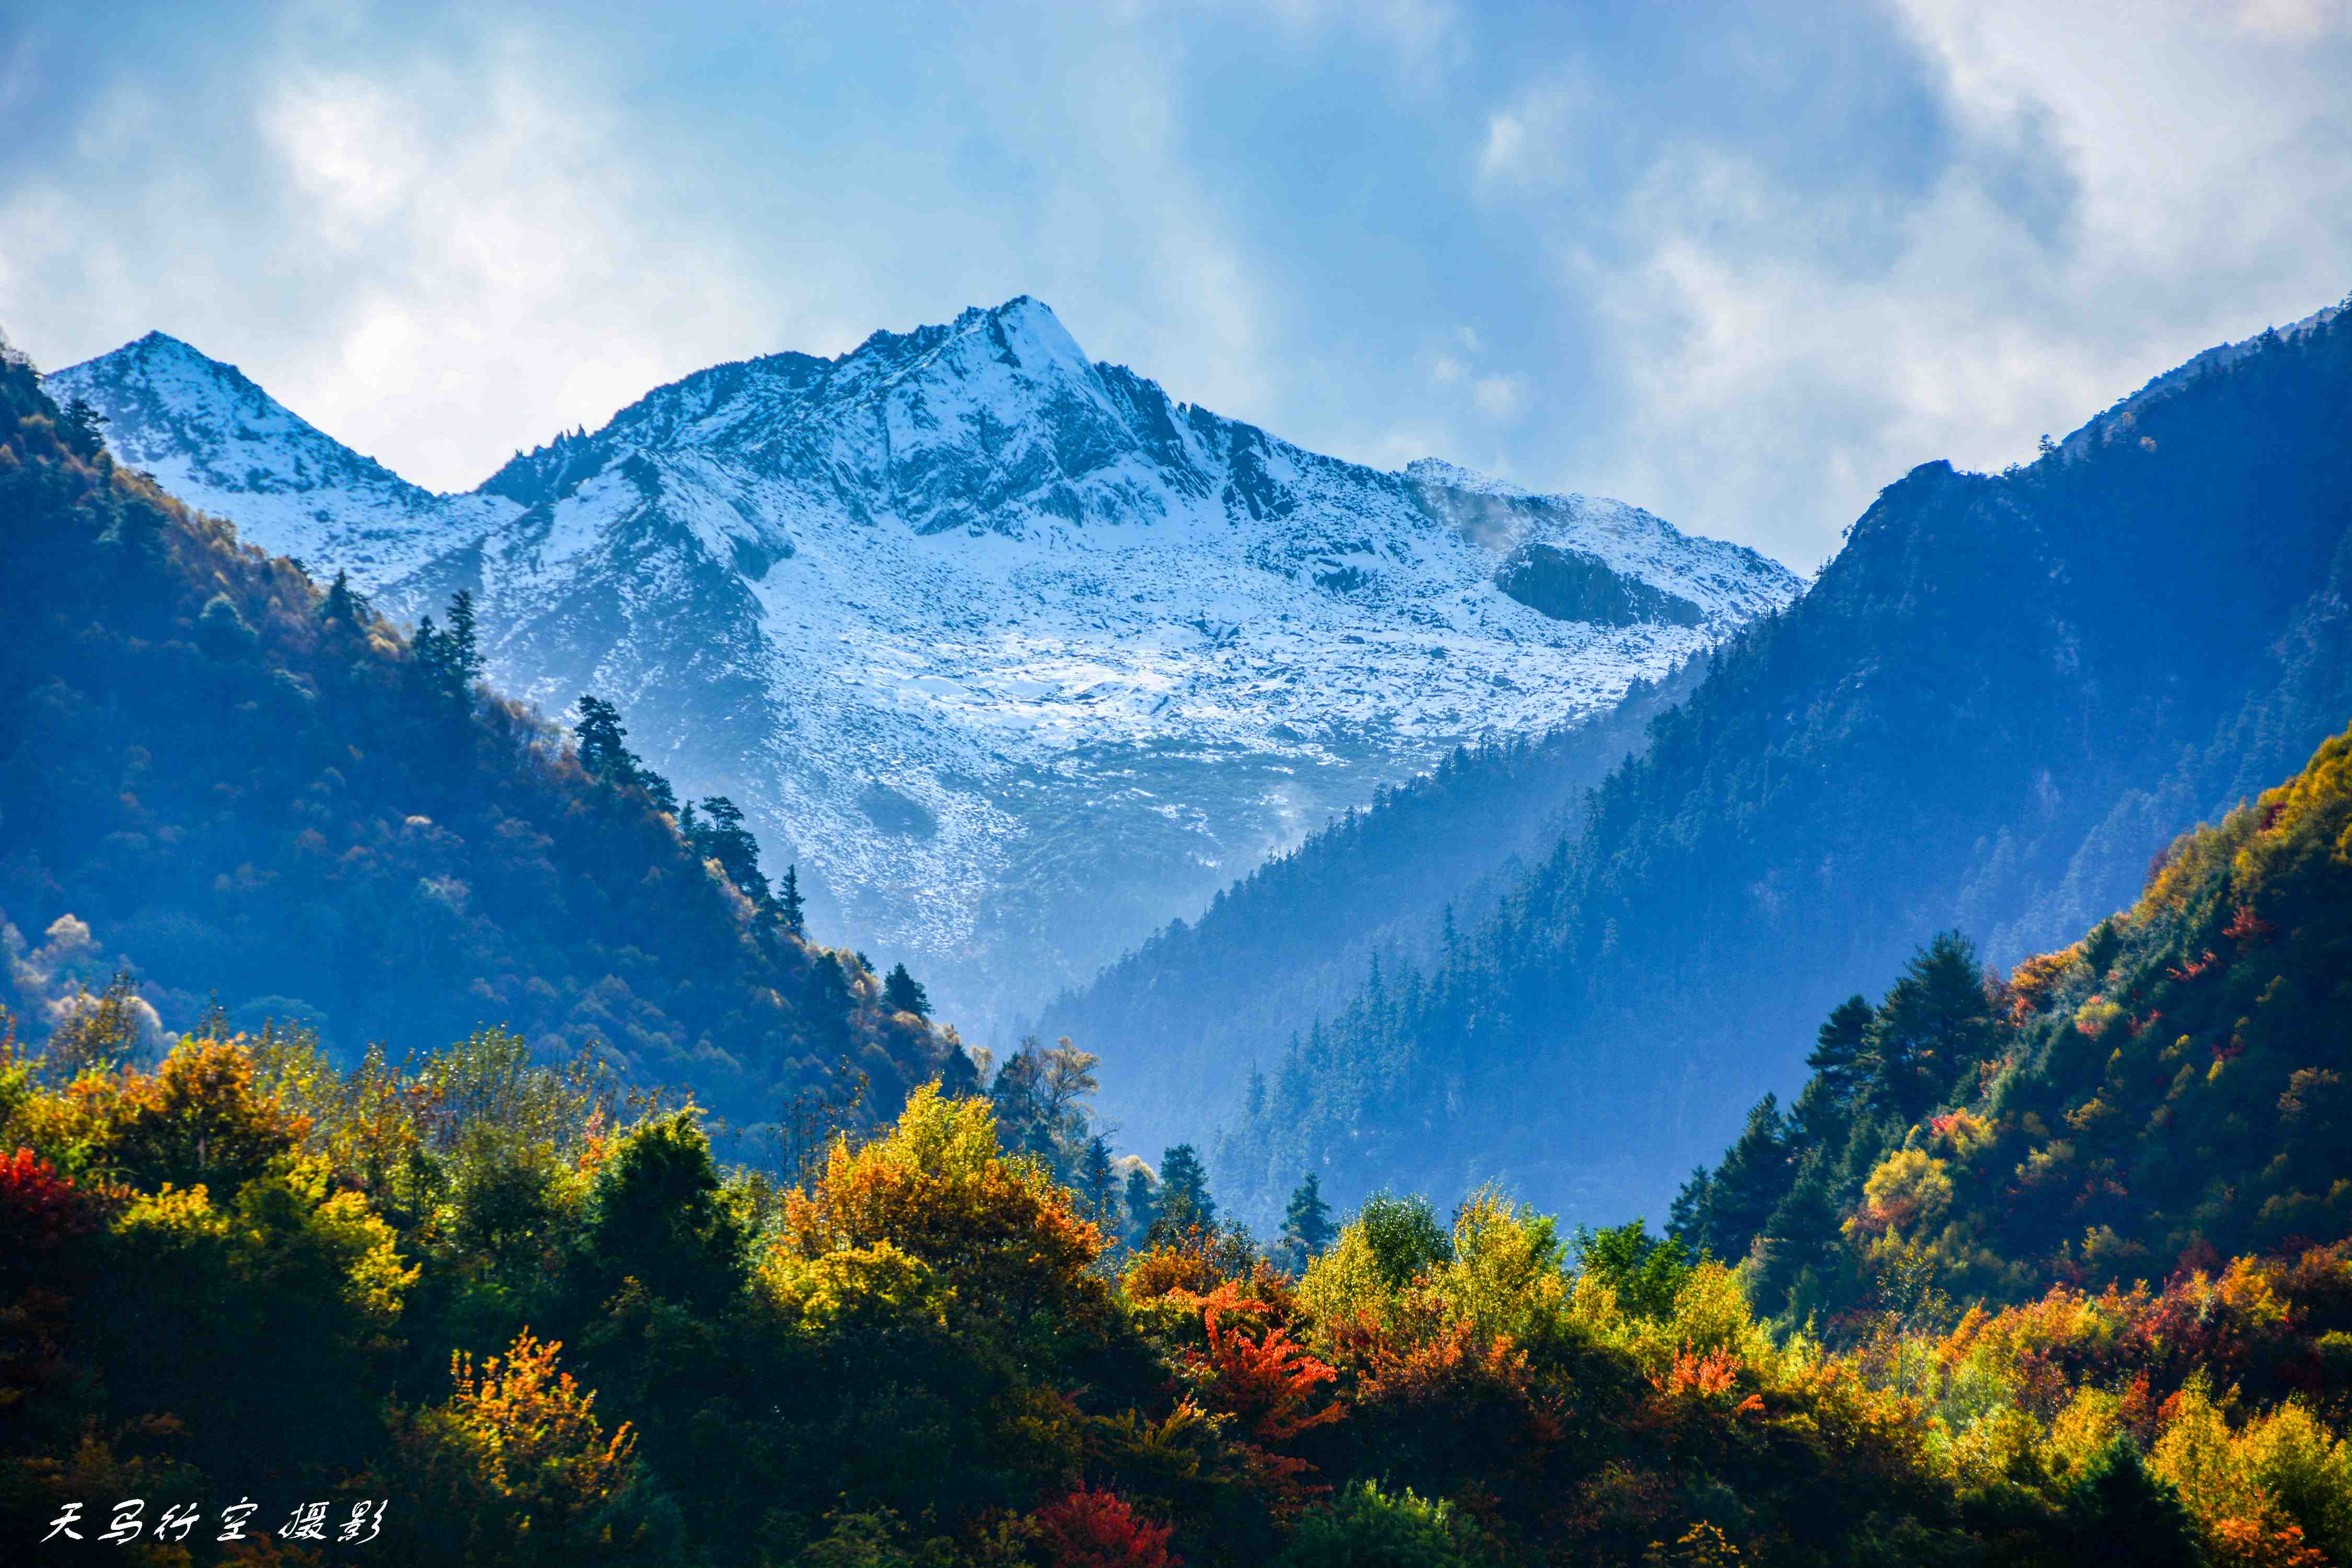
[1007,649]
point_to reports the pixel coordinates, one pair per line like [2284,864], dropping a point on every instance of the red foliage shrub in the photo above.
[2251,1543]
[1269,1381]
[39,1209]
[1098,1529]
[2247,926]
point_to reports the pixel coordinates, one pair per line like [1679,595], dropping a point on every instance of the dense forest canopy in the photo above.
[498,1314]
[252,790]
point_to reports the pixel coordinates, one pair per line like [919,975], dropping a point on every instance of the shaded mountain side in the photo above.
[2004,694]
[2170,1089]
[267,798]
[1180,1020]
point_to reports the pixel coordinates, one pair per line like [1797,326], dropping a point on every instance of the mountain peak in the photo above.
[215,439]
[156,348]
[1453,475]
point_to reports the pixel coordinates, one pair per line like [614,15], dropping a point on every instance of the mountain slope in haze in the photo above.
[1995,704]
[1013,653]
[268,801]
[1184,1019]
[2168,1090]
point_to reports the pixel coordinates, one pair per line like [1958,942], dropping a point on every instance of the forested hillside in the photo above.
[472,1312]
[257,797]
[1180,1021]
[2002,696]
[2165,1093]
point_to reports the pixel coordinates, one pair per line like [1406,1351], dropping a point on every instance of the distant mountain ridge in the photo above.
[1015,655]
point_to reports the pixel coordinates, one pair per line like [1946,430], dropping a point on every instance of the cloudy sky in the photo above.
[1742,265]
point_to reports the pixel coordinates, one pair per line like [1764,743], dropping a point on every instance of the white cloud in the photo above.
[1500,396]
[2296,21]
[2117,197]
[1743,273]
[1527,142]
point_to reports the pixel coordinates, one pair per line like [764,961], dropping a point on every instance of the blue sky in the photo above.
[1742,265]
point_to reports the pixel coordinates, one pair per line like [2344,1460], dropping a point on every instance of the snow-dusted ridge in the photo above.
[1015,655]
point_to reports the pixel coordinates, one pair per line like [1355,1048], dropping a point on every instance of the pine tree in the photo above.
[959,1074]
[1688,1218]
[80,426]
[724,838]
[429,648]
[1307,1226]
[603,743]
[1142,1206]
[341,604]
[1840,1046]
[1748,1185]
[789,903]
[1933,1026]
[1184,1190]
[464,646]
[1098,1185]
[902,993]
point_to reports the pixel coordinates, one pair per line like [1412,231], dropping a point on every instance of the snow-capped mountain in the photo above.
[1014,654]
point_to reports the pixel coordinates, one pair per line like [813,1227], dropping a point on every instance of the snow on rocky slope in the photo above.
[1015,656]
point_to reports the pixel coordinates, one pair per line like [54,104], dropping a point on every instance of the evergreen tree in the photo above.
[1747,1186]
[1404,1235]
[1307,1227]
[221,632]
[431,666]
[1799,1241]
[1143,1205]
[790,905]
[603,743]
[902,993]
[658,789]
[464,646]
[659,1214]
[1184,1189]
[1098,1185]
[1688,1218]
[1933,1026]
[1839,1047]
[342,602]
[80,425]
[958,1075]
[723,837]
